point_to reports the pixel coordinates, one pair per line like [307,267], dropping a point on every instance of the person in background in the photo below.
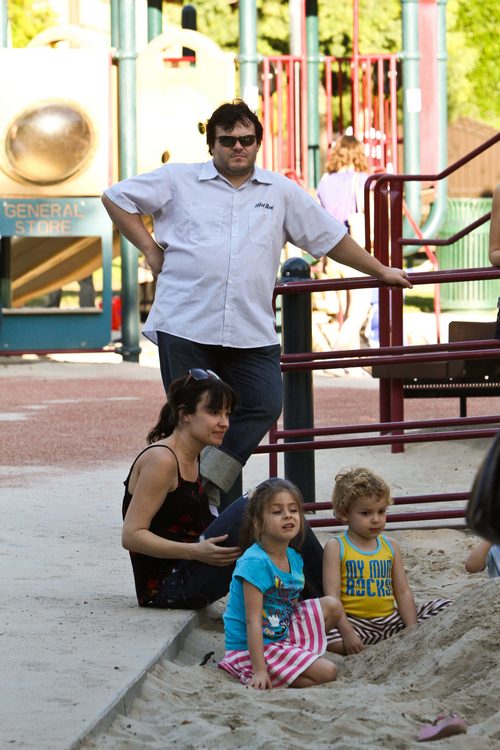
[341,193]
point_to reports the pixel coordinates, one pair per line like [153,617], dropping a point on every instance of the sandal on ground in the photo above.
[443,726]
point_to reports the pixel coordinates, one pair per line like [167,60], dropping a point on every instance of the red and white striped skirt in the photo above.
[286,659]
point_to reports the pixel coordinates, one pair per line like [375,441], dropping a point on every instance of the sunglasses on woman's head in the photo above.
[198,374]
[229,141]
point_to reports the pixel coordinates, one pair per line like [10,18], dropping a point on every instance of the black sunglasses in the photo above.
[198,374]
[228,141]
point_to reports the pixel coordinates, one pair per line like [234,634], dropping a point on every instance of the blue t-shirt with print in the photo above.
[281,591]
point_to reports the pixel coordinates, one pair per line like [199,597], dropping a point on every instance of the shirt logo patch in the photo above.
[264,205]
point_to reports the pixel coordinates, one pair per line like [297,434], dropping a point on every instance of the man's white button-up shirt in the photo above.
[222,248]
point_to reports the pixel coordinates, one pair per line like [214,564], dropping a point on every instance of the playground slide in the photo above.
[42,265]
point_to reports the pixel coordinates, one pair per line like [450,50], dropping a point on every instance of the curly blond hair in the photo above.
[347,151]
[354,483]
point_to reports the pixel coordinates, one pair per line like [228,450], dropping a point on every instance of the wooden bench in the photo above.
[455,378]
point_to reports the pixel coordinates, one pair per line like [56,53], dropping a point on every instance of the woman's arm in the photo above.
[254,601]
[132,227]
[494,243]
[476,559]
[157,477]
[401,588]
[332,577]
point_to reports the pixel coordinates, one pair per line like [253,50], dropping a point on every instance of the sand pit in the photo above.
[74,640]
[382,696]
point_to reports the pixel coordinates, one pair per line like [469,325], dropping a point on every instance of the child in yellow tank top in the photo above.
[363,567]
[366,583]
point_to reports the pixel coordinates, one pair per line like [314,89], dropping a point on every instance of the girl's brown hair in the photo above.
[258,499]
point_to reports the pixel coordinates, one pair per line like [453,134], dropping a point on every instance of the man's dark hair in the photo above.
[227,115]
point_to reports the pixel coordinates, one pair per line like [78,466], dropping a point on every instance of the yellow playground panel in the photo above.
[174,95]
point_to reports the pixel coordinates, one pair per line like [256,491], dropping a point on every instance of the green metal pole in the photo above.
[128,168]
[4,23]
[298,398]
[312,36]
[5,246]
[155,19]
[115,23]
[438,212]
[412,105]
[249,90]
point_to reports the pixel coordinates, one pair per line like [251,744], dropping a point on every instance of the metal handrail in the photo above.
[380,180]
[392,428]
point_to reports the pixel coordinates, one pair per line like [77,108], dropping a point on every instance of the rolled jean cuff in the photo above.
[219,467]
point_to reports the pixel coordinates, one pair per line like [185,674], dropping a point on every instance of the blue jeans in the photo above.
[254,374]
[194,585]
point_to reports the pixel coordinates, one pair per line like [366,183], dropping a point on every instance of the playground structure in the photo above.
[138,93]
[59,145]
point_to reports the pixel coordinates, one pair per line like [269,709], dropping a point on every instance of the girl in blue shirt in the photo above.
[273,639]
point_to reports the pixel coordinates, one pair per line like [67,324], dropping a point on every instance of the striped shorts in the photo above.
[375,629]
[286,659]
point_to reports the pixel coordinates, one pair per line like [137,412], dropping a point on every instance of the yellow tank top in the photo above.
[366,588]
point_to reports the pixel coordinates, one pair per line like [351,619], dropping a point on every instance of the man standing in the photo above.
[219,228]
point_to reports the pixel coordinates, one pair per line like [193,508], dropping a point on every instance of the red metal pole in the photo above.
[329,102]
[381,251]
[339,89]
[303,99]
[368,108]
[279,96]
[394,113]
[267,145]
[396,295]
[291,114]
[355,71]
[303,121]
[381,125]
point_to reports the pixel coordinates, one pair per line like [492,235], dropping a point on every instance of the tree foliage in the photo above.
[473,77]
[474,24]
[27,19]
[472,38]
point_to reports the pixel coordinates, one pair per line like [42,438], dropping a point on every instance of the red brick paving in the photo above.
[103,420]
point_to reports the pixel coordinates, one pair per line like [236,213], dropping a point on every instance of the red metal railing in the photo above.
[388,248]
[392,426]
[284,114]
[359,92]
[393,433]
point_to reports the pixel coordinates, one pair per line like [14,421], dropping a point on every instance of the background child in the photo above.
[272,639]
[484,555]
[363,567]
